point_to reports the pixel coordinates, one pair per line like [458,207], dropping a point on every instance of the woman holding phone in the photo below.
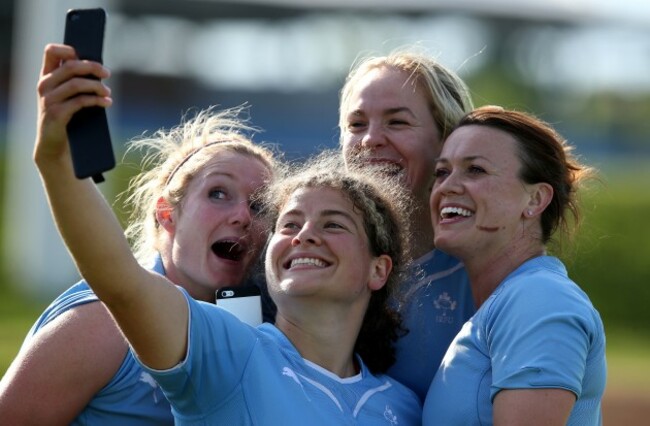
[193,221]
[321,363]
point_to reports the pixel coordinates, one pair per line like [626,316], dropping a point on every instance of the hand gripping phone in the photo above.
[88,133]
[244,302]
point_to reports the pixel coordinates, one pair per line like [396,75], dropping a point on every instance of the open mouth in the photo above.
[451,212]
[230,250]
[381,165]
[388,168]
[305,261]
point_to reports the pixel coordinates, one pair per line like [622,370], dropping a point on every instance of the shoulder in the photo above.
[543,295]
[543,284]
[439,267]
[66,363]
[84,330]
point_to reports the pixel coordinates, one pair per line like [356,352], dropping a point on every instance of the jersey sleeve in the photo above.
[539,332]
[219,347]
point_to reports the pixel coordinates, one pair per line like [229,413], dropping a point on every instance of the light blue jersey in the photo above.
[234,374]
[132,397]
[537,330]
[434,302]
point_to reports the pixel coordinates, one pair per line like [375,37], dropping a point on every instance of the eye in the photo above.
[356,125]
[217,194]
[288,225]
[475,170]
[255,207]
[441,173]
[398,122]
[334,225]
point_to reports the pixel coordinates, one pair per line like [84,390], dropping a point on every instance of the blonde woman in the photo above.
[194,221]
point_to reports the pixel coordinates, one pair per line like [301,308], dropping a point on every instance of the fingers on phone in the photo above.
[81,68]
[64,80]
[82,101]
[63,59]
[54,54]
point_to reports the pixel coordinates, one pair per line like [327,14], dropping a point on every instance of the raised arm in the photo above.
[150,310]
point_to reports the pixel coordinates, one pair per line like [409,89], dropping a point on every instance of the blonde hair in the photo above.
[448,96]
[171,159]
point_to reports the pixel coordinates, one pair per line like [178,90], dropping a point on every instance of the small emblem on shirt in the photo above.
[445,305]
[286,371]
[388,415]
[146,378]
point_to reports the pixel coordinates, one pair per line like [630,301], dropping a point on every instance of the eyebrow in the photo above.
[219,173]
[339,213]
[388,111]
[465,159]
[324,213]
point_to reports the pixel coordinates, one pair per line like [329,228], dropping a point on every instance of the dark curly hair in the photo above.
[382,205]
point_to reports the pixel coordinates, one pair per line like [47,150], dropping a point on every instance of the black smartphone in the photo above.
[244,302]
[88,133]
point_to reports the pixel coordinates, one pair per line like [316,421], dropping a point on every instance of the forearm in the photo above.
[96,241]
[87,224]
[90,231]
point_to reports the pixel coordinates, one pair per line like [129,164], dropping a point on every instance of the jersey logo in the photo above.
[447,305]
[388,415]
[286,371]
[146,378]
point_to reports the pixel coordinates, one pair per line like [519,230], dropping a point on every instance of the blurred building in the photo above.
[583,65]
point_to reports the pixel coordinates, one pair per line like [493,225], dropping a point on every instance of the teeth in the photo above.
[388,167]
[448,211]
[308,261]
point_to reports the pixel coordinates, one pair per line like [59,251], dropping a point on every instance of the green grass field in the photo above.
[16,316]
[628,361]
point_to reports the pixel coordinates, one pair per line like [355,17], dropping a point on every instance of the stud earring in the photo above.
[529,212]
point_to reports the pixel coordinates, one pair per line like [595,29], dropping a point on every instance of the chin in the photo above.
[446,245]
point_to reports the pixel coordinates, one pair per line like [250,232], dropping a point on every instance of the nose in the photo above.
[241,214]
[306,235]
[374,137]
[451,184]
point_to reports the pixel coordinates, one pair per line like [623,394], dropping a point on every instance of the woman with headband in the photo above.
[193,220]
[322,362]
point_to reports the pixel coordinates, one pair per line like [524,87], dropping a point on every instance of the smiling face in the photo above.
[215,236]
[387,120]
[479,202]
[320,249]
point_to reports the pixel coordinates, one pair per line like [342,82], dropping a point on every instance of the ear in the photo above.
[164,214]
[541,195]
[380,269]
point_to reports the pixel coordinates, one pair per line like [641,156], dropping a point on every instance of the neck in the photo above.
[421,232]
[198,292]
[487,272]
[324,338]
